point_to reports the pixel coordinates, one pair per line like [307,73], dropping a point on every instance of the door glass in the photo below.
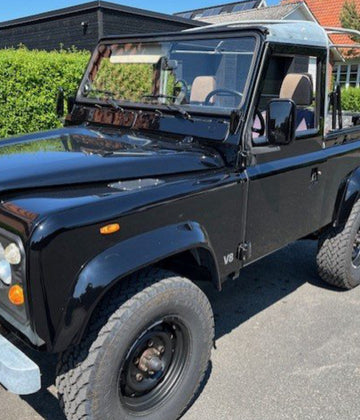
[288,77]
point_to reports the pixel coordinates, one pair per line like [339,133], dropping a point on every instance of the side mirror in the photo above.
[169,65]
[60,101]
[280,121]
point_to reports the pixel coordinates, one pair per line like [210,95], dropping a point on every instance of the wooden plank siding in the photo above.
[51,34]
[119,23]
[64,27]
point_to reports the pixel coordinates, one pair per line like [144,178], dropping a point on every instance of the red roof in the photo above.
[327,13]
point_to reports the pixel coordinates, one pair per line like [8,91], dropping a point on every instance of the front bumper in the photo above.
[18,374]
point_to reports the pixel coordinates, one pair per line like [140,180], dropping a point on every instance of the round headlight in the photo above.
[12,254]
[5,272]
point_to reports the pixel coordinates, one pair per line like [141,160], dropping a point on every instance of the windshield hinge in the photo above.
[236,119]
[244,251]
[244,159]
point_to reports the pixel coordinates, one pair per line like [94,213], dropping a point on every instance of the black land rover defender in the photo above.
[184,157]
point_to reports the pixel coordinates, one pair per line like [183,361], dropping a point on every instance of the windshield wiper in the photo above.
[113,103]
[171,107]
[180,110]
[110,97]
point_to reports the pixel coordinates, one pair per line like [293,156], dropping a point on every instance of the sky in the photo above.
[19,8]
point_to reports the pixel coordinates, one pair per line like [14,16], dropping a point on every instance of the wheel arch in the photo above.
[171,246]
[348,195]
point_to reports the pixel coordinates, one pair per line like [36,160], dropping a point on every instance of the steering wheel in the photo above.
[261,130]
[184,86]
[219,91]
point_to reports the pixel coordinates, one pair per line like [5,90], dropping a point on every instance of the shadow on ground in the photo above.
[264,283]
[260,285]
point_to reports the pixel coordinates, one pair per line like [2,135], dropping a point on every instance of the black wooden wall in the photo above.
[116,23]
[68,31]
[50,34]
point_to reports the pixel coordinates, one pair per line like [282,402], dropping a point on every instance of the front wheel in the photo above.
[145,354]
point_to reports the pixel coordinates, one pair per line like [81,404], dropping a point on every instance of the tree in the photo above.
[350,17]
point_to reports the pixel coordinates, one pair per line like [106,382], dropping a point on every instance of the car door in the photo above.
[286,183]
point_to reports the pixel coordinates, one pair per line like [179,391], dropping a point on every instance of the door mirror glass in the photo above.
[60,107]
[280,121]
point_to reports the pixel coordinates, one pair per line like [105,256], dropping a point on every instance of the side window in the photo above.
[342,112]
[289,77]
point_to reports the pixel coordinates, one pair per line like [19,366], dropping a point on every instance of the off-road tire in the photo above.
[334,258]
[86,373]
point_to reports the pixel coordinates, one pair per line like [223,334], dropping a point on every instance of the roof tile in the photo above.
[327,13]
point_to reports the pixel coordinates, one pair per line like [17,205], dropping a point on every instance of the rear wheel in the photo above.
[338,258]
[145,353]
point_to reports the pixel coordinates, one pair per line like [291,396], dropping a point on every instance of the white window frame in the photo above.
[348,70]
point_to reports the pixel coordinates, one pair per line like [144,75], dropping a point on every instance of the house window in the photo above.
[347,75]
[244,6]
[353,78]
[212,12]
[186,15]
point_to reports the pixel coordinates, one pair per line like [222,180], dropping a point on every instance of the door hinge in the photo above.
[244,251]
[244,159]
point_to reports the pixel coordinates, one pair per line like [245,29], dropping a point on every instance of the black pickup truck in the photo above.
[184,158]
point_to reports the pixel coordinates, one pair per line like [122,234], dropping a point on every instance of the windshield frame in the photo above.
[152,38]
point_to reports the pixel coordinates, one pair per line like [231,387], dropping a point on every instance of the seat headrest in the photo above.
[201,87]
[298,87]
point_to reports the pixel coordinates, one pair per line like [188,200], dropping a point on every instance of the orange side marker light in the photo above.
[108,229]
[16,295]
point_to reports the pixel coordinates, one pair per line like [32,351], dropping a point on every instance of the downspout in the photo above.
[100,18]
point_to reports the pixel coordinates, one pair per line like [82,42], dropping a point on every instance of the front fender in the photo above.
[348,194]
[117,262]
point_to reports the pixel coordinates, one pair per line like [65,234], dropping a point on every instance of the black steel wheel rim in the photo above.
[355,258]
[154,365]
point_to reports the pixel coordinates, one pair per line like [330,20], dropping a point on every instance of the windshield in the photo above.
[203,74]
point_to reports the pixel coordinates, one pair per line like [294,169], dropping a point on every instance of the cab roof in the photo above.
[290,32]
[283,31]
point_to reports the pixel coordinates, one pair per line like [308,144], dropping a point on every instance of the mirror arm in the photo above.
[339,109]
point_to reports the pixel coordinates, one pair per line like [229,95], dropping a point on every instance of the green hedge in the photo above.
[29,81]
[129,81]
[350,99]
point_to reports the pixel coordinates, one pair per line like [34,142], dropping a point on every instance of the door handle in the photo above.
[315,175]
